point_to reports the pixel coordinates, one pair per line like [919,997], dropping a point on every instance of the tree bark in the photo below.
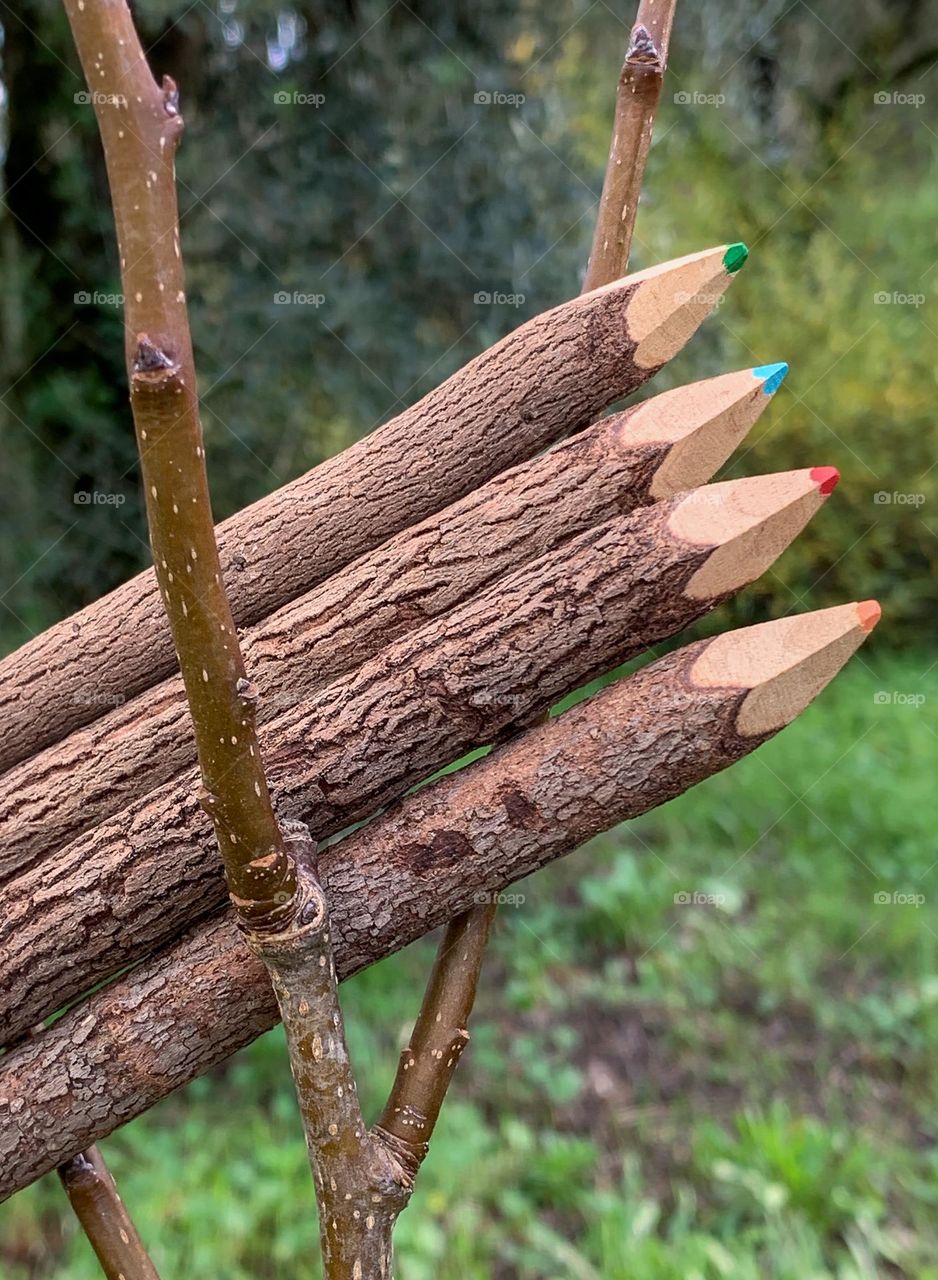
[549,377]
[631,747]
[491,664]
[47,801]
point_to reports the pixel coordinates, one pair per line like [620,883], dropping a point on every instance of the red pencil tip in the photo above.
[869,613]
[825,478]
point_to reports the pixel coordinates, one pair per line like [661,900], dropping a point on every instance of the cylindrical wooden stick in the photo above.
[637,744]
[104,1218]
[551,376]
[493,663]
[672,442]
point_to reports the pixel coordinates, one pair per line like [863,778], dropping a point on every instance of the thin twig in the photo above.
[637,97]
[439,1037]
[98,1207]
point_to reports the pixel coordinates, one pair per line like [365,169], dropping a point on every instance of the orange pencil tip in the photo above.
[826,478]
[869,613]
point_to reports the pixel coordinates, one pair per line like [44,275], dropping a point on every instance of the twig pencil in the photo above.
[498,659]
[637,744]
[551,376]
[674,441]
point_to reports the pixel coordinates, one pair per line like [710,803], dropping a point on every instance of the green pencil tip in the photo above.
[735,256]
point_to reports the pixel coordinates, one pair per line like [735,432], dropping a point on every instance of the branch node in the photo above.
[170,91]
[642,49]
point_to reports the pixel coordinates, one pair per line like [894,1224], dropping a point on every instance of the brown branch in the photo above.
[456,683]
[140,129]
[637,744]
[637,96]
[440,1033]
[104,1219]
[547,378]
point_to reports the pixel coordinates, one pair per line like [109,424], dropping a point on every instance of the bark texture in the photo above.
[551,376]
[75,784]
[633,746]
[495,662]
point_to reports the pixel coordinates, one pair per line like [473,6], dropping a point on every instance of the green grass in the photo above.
[738,1086]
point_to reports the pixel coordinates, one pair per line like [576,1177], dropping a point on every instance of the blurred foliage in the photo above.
[336,149]
[737,1086]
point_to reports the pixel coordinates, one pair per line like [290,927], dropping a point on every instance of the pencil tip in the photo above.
[735,256]
[869,613]
[772,375]
[826,478]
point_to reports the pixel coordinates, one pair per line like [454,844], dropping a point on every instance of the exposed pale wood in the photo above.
[633,746]
[665,444]
[548,378]
[489,665]
[784,664]
[735,512]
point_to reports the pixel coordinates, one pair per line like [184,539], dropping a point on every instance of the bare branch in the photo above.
[637,97]
[440,1033]
[104,1219]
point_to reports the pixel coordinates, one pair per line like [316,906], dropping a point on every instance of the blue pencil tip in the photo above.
[772,375]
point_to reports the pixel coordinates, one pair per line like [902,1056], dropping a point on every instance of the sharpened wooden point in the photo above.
[668,303]
[748,522]
[784,664]
[703,422]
